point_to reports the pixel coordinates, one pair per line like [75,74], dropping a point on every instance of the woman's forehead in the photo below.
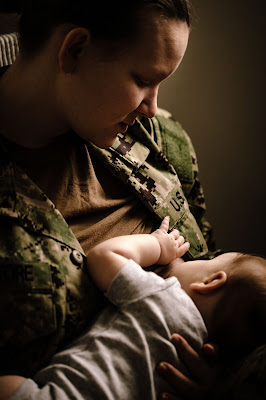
[169,35]
[161,47]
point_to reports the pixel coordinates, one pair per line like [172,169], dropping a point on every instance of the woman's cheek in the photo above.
[135,99]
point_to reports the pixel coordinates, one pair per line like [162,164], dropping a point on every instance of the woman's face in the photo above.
[105,95]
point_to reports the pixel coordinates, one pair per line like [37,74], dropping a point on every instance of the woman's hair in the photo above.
[239,322]
[107,20]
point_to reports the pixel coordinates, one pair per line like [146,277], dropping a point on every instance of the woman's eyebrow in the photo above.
[155,77]
[160,75]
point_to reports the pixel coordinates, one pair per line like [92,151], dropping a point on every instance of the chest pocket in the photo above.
[26,301]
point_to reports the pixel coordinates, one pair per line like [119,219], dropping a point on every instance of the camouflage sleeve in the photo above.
[46,295]
[197,205]
[171,137]
[196,197]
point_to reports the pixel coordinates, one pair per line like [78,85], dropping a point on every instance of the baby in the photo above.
[116,357]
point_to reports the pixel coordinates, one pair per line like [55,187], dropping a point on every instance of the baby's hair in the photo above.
[239,319]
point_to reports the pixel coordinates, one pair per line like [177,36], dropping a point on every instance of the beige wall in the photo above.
[218,94]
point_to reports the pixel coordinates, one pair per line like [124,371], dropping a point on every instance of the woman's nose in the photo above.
[148,106]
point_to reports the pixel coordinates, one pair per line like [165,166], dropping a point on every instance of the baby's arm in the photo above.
[106,259]
[9,384]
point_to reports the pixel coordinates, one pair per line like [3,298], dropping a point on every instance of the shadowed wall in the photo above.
[218,95]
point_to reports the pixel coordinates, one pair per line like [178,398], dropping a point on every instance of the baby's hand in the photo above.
[172,244]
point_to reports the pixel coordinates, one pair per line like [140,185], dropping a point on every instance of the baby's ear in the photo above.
[211,283]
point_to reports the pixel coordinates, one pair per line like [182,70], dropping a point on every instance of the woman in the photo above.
[85,80]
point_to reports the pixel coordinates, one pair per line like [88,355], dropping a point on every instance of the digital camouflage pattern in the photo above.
[138,161]
[46,296]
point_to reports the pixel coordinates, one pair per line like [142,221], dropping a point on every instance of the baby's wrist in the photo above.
[159,248]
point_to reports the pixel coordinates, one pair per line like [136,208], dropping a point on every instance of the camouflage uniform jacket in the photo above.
[157,160]
[46,295]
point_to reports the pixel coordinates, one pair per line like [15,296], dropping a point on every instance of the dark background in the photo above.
[8,21]
[218,95]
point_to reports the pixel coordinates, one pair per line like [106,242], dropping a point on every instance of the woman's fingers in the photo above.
[202,374]
[203,369]
[169,396]
[210,351]
[182,386]
[197,365]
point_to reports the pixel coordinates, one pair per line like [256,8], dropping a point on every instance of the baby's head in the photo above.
[230,293]
[239,318]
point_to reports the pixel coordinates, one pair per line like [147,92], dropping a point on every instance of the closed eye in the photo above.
[141,82]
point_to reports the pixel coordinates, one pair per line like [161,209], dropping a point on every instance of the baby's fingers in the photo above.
[180,240]
[182,249]
[174,234]
[165,224]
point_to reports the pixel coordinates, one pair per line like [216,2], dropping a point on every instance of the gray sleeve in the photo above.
[61,390]
[26,391]
[29,390]
[132,283]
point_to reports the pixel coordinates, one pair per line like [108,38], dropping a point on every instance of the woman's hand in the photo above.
[203,370]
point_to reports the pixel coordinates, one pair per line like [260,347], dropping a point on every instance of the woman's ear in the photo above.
[72,49]
[211,283]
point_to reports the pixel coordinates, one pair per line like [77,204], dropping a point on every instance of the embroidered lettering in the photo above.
[10,272]
[177,202]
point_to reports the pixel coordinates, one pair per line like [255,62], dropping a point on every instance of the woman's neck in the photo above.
[28,110]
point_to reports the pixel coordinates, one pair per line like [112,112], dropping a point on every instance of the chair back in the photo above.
[8,48]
